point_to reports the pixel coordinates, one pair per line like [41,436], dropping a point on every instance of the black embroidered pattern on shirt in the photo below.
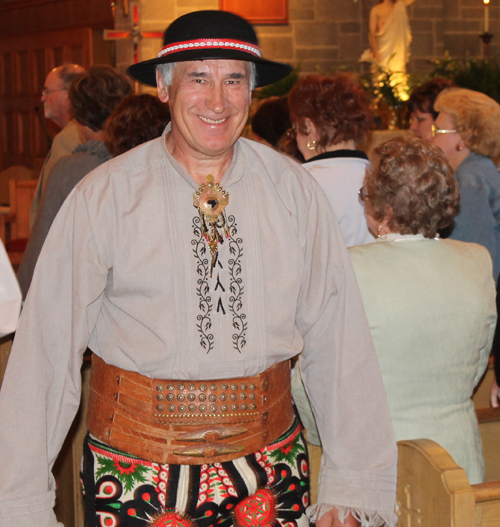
[203,289]
[236,287]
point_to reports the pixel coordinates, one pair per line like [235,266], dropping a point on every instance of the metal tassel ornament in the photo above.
[211,200]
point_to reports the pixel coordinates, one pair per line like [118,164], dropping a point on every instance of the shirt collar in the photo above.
[358,154]
[232,175]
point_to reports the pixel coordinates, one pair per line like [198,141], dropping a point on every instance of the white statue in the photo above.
[390,38]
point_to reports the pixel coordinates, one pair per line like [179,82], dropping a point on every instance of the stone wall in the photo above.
[452,26]
[326,34]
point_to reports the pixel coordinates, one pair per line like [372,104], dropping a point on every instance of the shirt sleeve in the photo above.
[41,389]
[343,381]
[10,295]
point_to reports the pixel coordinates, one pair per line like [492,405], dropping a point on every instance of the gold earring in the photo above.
[311,145]
[381,236]
[459,148]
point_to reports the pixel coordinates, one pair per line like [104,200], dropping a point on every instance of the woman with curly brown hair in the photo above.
[136,120]
[330,116]
[430,302]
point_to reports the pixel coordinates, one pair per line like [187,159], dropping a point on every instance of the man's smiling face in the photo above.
[209,103]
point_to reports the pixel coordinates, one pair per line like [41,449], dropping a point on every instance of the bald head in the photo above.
[67,72]
[55,93]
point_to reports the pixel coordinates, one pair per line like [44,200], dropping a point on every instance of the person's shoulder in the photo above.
[142,159]
[251,147]
[475,166]
[475,169]
[366,252]
[465,249]
[468,255]
[342,165]
[279,166]
[67,138]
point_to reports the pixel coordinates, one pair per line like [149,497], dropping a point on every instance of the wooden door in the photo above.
[25,62]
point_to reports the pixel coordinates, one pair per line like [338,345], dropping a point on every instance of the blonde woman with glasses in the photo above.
[467,130]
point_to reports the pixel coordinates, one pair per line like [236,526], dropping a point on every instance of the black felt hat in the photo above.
[206,35]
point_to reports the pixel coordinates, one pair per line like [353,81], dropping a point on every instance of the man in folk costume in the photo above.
[195,267]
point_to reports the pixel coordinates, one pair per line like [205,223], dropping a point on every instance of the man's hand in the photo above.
[331,519]
[495,394]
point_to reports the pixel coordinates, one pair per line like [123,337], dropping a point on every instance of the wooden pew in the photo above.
[21,196]
[433,490]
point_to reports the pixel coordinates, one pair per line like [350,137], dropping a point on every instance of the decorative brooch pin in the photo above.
[211,200]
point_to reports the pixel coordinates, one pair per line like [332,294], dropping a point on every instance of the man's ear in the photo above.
[162,88]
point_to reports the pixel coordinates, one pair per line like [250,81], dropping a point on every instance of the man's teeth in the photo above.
[212,121]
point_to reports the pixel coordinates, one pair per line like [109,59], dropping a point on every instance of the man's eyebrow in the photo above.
[197,74]
[204,74]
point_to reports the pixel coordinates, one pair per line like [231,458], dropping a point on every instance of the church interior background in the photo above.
[314,35]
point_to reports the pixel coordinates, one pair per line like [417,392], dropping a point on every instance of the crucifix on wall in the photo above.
[135,33]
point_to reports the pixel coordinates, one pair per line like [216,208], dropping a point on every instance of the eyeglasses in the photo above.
[363,196]
[291,133]
[435,130]
[46,91]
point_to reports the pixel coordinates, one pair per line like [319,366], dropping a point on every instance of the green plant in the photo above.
[474,74]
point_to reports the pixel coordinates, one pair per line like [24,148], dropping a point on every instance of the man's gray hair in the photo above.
[167,73]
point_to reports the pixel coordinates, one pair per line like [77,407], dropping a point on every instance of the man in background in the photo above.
[56,107]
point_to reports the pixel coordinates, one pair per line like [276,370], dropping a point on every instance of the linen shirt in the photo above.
[125,270]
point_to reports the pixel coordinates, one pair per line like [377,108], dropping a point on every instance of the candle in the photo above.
[486,16]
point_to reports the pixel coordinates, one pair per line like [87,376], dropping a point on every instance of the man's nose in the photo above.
[216,99]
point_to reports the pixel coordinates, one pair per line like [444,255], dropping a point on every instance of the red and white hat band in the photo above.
[209,43]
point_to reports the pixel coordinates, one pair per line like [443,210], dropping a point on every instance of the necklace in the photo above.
[396,237]
[211,200]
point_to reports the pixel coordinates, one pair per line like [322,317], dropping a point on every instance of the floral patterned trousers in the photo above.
[269,488]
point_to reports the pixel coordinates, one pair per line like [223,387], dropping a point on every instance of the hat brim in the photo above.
[267,70]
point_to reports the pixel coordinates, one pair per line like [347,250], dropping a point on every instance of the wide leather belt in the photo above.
[188,422]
